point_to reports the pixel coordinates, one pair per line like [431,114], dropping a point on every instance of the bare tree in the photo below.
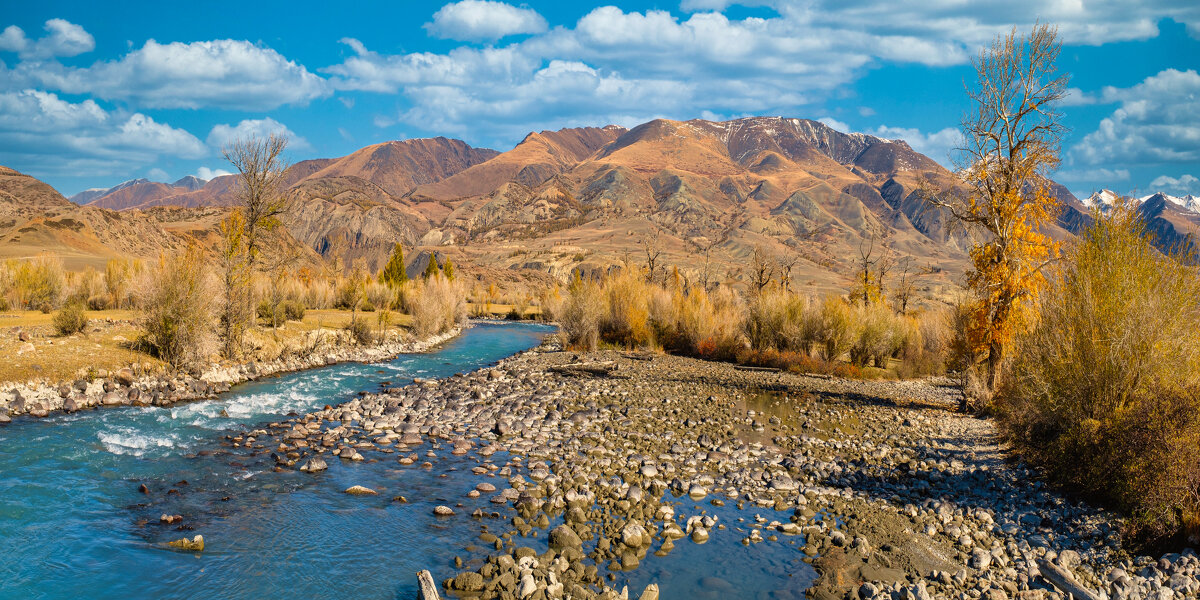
[705,273]
[762,269]
[785,272]
[904,289]
[883,266]
[260,198]
[652,253]
[866,260]
[260,204]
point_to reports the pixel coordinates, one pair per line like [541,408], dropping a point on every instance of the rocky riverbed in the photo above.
[596,464]
[130,387]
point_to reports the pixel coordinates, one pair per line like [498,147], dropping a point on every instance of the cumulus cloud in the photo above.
[227,74]
[49,135]
[62,38]
[484,20]
[156,174]
[224,134]
[207,174]
[1182,185]
[1101,175]
[938,145]
[1158,120]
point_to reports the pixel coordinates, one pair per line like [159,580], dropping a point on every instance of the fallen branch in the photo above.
[427,589]
[601,369]
[757,369]
[1064,581]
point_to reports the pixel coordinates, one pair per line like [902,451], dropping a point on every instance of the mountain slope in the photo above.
[705,194]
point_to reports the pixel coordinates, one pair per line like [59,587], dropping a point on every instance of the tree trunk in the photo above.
[995,361]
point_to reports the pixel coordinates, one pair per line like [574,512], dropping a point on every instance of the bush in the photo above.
[923,345]
[378,296]
[39,283]
[70,319]
[834,328]
[180,324]
[626,318]
[293,310]
[580,315]
[360,330]
[438,305]
[1105,392]
[775,320]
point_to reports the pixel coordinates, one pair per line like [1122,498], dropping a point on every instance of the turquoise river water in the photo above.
[73,523]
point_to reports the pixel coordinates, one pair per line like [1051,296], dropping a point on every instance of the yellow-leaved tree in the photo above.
[1011,143]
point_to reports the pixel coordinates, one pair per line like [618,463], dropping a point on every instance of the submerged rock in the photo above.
[195,544]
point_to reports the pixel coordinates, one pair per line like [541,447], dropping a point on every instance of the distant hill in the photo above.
[698,192]
[1173,221]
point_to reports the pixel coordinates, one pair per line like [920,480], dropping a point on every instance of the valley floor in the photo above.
[885,489]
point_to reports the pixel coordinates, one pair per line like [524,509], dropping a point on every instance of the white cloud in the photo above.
[835,124]
[228,74]
[156,174]
[208,174]
[938,145]
[62,38]
[48,135]
[1101,175]
[1158,120]
[224,134]
[475,20]
[1182,185]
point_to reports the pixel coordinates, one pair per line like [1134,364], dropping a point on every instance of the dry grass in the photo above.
[108,342]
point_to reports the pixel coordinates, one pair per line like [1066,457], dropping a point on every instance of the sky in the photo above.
[92,93]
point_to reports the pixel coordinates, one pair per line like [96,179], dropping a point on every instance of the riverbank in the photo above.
[886,490]
[143,384]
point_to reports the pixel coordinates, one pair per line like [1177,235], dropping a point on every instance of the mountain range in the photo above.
[701,195]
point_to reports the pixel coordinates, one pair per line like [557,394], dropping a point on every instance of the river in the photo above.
[74,524]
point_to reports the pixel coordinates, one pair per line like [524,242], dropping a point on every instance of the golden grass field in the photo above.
[108,342]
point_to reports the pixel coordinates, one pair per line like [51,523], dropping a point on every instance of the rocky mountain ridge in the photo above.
[704,195]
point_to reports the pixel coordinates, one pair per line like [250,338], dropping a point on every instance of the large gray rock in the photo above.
[563,537]
[314,465]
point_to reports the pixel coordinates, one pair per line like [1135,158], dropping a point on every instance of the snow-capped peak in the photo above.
[1189,202]
[1104,200]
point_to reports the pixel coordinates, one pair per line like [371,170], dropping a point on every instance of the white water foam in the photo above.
[127,440]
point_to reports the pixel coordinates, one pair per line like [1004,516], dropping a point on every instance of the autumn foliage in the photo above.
[1011,143]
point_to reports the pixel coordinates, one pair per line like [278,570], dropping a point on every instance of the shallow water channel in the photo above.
[74,524]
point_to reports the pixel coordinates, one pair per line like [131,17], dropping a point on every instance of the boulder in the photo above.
[314,465]
[634,535]
[358,490]
[468,582]
[563,537]
[443,511]
[124,377]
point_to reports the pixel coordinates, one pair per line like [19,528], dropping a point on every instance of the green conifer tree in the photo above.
[448,269]
[431,269]
[393,273]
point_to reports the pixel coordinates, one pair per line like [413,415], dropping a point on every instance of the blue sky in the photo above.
[95,93]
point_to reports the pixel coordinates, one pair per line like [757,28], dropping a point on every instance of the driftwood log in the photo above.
[427,589]
[598,368]
[1064,581]
[760,369]
[646,356]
